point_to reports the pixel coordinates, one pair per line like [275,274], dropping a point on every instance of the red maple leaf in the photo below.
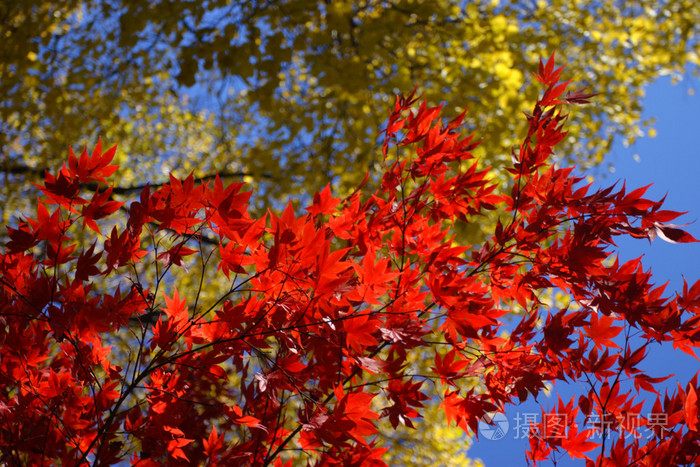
[94,167]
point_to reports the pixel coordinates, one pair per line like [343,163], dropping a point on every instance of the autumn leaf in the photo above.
[93,167]
[323,202]
[602,331]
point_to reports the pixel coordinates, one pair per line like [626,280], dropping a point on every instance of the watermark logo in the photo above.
[493,426]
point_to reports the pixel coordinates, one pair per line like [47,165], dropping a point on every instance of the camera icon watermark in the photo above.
[494,426]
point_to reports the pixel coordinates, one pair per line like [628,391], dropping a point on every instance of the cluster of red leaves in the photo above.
[321,309]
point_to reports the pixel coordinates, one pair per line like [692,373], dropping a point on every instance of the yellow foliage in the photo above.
[436,444]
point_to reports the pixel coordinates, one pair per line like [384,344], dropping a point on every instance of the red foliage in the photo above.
[315,313]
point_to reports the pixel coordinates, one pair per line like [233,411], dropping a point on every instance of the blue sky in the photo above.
[671,161]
